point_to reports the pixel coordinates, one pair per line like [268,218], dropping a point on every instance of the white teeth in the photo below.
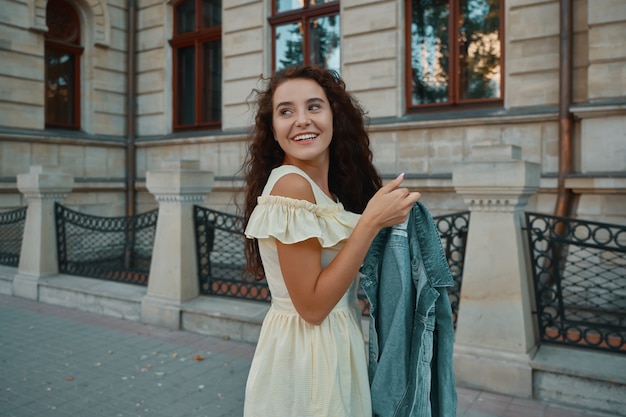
[305,137]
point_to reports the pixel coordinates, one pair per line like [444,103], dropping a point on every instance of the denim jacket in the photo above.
[411,333]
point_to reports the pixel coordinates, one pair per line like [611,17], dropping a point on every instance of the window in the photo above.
[306,32]
[62,66]
[455,53]
[197,60]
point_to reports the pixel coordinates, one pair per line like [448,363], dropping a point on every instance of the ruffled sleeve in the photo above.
[289,221]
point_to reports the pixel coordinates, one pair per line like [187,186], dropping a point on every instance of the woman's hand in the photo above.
[390,205]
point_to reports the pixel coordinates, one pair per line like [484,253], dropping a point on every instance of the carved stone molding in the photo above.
[96,11]
[179,198]
[45,196]
[494,204]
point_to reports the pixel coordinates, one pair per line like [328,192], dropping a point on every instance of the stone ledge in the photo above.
[113,299]
[597,185]
[224,317]
[580,378]
[209,315]
[6,279]
[584,363]
[96,287]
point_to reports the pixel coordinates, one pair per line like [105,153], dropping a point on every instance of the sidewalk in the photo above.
[59,362]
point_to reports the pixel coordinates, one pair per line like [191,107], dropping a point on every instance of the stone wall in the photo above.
[154,69]
[22,69]
[372,31]
[95,155]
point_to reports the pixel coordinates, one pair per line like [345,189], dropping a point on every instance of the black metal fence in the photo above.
[221,261]
[453,230]
[11,234]
[579,276]
[110,248]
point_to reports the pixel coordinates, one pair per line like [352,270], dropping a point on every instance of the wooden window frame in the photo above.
[454,103]
[303,15]
[76,50]
[197,38]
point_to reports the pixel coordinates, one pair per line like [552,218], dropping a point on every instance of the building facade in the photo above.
[193,65]
[456,93]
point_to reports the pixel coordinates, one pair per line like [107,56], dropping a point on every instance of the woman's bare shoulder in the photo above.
[293,185]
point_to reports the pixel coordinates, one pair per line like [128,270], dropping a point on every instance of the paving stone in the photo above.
[60,362]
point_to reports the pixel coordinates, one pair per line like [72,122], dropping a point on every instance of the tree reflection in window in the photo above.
[311,36]
[455,54]
[479,43]
[62,66]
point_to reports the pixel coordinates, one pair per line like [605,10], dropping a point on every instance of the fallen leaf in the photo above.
[174,355]
[69,378]
[198,358]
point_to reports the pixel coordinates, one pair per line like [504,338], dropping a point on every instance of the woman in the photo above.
[314,203]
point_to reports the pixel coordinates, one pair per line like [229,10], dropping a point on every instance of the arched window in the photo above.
[62,61]
[197,53]
[306,32]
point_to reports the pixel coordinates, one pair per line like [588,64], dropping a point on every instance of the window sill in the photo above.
[470,117]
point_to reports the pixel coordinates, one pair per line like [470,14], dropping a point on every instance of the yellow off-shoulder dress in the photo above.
[300,369]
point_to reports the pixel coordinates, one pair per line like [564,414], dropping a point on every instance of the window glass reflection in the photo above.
[479,49]
[185,16]
[185,93]
[212,83]
[211,13]
[288,45]
[430,52]
[286,5]
[324,42]
[60,88]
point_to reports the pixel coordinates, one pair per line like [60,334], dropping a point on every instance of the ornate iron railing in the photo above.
[11,235]
[579,276]
[221,261]
[110,248]
[453,232]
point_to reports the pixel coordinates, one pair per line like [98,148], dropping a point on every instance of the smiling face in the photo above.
[302,122]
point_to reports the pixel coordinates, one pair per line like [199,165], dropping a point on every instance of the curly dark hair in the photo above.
[352,176]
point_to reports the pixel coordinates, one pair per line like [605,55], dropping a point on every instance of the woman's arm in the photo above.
[313,290]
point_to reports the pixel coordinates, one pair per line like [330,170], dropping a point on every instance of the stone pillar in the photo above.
[173,271]
[42,187]
[495,337]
